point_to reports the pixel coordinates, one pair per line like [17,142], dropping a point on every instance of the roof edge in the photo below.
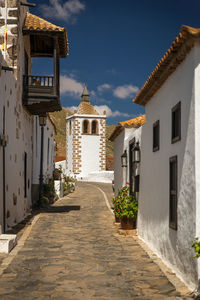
[169,62]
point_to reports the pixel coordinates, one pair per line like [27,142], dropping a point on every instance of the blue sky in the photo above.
[114,45]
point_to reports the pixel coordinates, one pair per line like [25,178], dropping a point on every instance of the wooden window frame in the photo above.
[173,193]
[156,147]
[176,138]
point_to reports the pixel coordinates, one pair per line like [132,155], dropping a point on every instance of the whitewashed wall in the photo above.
[69,145]
[197,142]
[121,143]
[153,219]
[49,151]
[90,146]
[48,155]
[118,170]
[61,163]
[19,129]
[90,154]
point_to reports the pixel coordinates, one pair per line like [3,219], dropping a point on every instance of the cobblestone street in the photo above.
[74,251]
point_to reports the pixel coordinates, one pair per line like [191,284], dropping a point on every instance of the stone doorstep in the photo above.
[7,242]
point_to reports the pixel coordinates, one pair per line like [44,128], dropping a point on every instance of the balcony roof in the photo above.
[41,33]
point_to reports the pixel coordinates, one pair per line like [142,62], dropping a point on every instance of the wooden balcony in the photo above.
[41,94]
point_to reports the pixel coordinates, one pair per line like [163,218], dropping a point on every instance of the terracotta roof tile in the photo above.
[33,22]
[34,25]
[86,108]
[133,123]
[167,65]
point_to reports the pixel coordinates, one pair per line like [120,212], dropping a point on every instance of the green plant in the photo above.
[129,210]
[56,174]
[65,188]
[116,203]
[124,204]
[69,179]
[196,246]
[45,201]
[49,190]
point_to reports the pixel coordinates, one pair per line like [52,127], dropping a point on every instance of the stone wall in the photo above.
[77,164]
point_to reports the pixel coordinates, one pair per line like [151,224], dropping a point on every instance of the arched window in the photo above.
[70,128]
[85,126]
[94,127]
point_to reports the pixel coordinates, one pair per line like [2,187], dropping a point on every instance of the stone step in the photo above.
[7,242]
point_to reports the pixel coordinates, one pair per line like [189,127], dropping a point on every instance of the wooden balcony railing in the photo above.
[40,94]
[38,81]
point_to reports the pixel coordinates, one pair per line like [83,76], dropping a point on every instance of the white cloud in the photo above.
[101,88]
[101,108]
[69,85]
[72,108]
[125,91]
[63,11]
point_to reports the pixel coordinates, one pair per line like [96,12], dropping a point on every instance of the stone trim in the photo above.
[102,148]
[77,147]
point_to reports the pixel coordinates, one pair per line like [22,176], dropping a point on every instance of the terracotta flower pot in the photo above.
[128,223]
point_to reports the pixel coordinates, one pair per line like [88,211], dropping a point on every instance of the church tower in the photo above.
[85,140]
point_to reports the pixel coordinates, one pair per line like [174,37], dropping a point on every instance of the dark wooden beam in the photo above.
[27,4]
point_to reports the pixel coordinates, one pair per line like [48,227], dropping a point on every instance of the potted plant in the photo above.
[116,204]
[128,209]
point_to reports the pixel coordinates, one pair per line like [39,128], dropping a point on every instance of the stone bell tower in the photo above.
[86,140]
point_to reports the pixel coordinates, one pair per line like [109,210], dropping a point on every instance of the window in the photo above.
[94,127]
[173,174]
[176,123]
[85,126]
[70,128]
[156,136]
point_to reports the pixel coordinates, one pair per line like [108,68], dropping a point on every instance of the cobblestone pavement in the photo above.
[74,252]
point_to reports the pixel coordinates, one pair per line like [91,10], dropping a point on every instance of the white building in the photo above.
[126,135]
[169,200]
[48,154]
[23,95]
[85,140]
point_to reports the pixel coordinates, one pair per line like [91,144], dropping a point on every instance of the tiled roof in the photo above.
[33,22]
[86,108]
[133,123]
[59,158]
[34,25]
[167,65]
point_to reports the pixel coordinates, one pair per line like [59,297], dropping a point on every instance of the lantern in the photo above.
[124,159]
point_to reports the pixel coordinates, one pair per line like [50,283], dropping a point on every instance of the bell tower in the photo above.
[86,140]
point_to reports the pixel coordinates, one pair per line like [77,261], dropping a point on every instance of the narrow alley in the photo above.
[74,252]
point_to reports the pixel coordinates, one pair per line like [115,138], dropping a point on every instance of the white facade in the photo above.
[121,144]
[17,125]
[48,155]
[173,246]
[89,148]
